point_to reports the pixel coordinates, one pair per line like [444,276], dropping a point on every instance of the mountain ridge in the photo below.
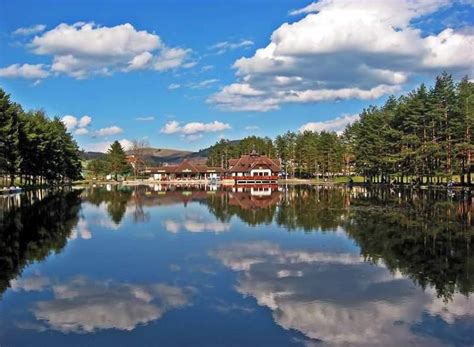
[159,156]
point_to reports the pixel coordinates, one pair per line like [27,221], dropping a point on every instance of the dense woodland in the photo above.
[35,149]
[425,135]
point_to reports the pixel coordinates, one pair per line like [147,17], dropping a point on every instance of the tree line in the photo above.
[425,135]
[35,149]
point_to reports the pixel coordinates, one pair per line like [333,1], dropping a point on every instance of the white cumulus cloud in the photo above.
[28,71]
[78,126]
[103,146]
[337,124]
[83,49]
[345,49]
[31,30]
[174,127]
[109,131]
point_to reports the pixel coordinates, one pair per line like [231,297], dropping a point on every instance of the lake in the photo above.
[262,266]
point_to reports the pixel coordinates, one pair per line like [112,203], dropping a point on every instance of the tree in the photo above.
[138,151]
[463,133]
[10,158]
[97,167]
[117,160]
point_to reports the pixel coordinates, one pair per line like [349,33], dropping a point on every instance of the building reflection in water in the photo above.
[412,267]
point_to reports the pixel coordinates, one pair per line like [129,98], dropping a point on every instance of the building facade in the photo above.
[248,169]
[254,168]
[185,171]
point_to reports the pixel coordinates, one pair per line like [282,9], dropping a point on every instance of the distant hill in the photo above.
[92,155]
[159,156]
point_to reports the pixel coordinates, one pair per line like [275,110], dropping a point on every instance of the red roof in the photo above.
[250,161]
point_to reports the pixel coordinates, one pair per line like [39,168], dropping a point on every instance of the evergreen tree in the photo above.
[10,158]
[117,160]
[463,132]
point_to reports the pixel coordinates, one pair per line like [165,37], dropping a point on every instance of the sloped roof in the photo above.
[186,166]
[248,162]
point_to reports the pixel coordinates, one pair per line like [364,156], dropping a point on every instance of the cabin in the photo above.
[185,171]
[254,168]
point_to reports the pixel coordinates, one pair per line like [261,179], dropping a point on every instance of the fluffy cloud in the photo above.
[193,128]
[346,50]
[171,58]
[26,31]
[82,305]
[109,131]
[307,290]
[337,124]
[84,49]
[77,126]
[103,146]
[173,86]
[27,71]
[224,46]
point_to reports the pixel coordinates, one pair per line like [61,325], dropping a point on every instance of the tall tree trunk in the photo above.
[468,141]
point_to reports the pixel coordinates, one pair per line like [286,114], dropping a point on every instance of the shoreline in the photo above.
[295,181]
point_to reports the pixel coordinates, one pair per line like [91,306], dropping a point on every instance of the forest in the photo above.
[35,149]
[423,136]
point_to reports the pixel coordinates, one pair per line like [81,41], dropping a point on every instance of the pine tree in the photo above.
[10,158]
[117,160]
[463,133]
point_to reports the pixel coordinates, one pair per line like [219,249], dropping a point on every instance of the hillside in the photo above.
[159,156]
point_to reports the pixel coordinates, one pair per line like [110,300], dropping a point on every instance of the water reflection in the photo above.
[33,226]
[82,305]
[338,298]
[328,265]
[114,198]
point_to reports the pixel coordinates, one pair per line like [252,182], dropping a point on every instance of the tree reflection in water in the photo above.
[425,235]
[114,196]
[33,225]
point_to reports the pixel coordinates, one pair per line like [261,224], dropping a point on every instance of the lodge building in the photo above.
[254,168]
[185,171]
[248,169]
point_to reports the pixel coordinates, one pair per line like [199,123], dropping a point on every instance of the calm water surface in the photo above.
[201,266]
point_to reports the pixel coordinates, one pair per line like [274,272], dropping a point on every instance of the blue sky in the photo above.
[183,74]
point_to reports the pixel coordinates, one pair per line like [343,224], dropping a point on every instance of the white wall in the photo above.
[256,172]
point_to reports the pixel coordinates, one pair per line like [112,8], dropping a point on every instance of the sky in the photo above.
[184,74]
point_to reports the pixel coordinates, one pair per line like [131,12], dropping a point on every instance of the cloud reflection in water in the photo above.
[337,298]
[82,305]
